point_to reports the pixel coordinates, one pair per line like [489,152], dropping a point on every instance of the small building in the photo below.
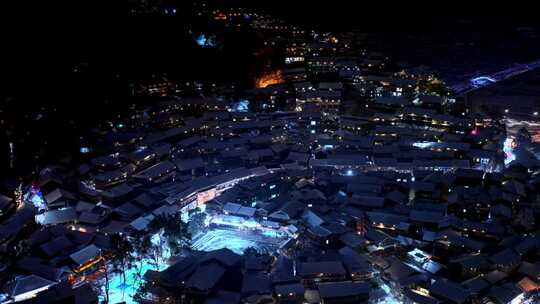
[312,272]
[344,292]
[86,260]
[28,287]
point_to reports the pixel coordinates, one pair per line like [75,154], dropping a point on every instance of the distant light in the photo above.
[482,81]
[350,172]
[423,145]
[201,40]
[85,150]
[535,113]
[508,149]
[506,111]
[174,11]
[205,41]
[241,106]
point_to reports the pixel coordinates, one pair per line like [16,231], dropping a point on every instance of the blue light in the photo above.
[205,41]
[36,198]
[482,81]
[508,150]
[241,106]
[201,40]
[423,145]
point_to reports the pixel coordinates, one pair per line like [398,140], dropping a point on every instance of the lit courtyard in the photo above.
[238,240]
[238,234]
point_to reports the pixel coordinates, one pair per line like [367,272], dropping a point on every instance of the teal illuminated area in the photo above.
[221,231]
[120,292]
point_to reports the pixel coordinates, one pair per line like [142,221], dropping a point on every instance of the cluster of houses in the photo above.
[408,196]
[401,197]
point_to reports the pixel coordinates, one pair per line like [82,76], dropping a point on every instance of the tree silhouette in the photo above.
[196,222]
[142,247]
[123,256]
[173,229]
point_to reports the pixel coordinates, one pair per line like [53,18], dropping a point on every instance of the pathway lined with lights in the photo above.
[485,80]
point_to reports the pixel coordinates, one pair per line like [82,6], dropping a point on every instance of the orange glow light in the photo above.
[270,78]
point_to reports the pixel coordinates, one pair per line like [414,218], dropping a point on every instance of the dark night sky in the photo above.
[42,29]
[44,37]
[392,14]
